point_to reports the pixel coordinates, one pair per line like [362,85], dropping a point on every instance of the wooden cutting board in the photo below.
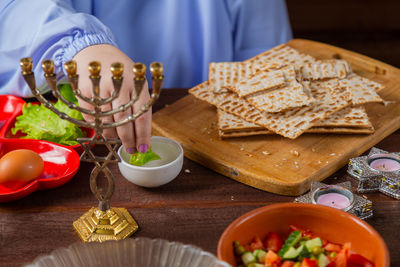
[270,163]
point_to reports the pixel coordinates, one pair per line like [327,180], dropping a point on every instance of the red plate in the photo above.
[8,125]
[10,106]
[60,164]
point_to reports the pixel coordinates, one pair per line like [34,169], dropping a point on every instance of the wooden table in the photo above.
[195,208]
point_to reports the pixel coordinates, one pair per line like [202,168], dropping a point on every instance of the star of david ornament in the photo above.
[111,144]
[339,196]
[379,171]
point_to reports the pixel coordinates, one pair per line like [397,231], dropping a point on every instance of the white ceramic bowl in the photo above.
[139,252]
[157,172]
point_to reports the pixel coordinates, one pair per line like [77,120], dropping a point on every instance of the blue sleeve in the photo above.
[43,29]
[257,25]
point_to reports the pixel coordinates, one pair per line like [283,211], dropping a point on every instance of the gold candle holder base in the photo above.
[112,224]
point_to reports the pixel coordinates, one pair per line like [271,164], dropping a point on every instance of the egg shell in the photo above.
[20,166]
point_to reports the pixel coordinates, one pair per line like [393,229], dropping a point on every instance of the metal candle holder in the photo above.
[105,222]
[359,206]
[371,179]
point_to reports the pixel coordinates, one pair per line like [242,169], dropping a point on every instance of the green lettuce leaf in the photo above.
[38,122]
[67,93]
[139,159]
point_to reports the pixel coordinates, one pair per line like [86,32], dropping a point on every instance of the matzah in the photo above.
[361,90]
[290,123]
[324,69]
[283,54]
[348,117]
[226,74]
[290,96]
[331,99]
[262,80]
[229,123]
[339,130]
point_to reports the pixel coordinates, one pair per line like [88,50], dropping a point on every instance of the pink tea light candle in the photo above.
[388,163]
[334,200]
[333,196]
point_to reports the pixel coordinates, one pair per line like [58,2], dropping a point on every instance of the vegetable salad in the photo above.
[302,248]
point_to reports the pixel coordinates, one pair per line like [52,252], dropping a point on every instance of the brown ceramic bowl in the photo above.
[334,225]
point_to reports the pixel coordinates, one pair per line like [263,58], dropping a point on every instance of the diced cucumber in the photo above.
[323,260]
[248,258]
[291,253]
[303,252]
[260,255]
[294,253]
[254,264]
[239,249]
[315,242]
[291,241]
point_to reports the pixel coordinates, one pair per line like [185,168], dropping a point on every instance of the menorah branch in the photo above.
[48,68]
[134,116]
[73,81]
[29,78]
[115,94]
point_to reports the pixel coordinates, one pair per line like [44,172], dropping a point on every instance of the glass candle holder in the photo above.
[384,162]
[338,196]
[379,171]
[333,196]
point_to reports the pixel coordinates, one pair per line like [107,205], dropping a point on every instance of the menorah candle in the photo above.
[384,162]
[333,196]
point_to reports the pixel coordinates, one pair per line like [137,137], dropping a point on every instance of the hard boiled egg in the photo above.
[20,166]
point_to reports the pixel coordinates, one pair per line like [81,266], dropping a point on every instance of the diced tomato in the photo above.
[273,242]
[288,264]
[341,258]
[256,243]
[309,263]
[295,228]
[332,247]
[272,259]
[356,260]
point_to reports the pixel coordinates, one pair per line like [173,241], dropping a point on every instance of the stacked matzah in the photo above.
[290,95]
[325,69]
[282,91]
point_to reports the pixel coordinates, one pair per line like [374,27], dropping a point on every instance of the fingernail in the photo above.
[131,150]
[143,148]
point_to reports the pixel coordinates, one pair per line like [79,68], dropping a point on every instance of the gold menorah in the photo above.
[105,222]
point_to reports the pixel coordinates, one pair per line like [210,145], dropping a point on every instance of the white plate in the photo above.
[139,252]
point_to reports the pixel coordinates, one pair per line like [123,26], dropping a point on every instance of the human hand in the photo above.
[134,135]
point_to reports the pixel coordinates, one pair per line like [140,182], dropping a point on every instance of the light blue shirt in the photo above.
[185,35]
